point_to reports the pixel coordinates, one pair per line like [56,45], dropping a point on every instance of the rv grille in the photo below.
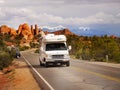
[57,56]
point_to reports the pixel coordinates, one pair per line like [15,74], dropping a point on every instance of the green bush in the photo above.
[5,59]
[34,45]
[24,48]
[37,51]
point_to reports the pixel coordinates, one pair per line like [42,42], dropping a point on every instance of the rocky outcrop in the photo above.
[59,32]
[13,32]
[36,29]
[29,33]
[5,29]
[19,29]
[25,31]
[32,30]
[64,31]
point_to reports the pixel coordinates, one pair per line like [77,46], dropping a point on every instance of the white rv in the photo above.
[53,50]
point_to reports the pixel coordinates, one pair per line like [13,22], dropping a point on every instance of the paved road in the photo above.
[81,75]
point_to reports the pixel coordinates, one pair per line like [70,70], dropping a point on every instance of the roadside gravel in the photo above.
[19,77]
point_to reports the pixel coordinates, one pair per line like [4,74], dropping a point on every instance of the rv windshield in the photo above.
[55,46]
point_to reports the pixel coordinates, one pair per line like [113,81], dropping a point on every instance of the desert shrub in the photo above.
[24,48]
[34,45]
[13,52]
[37,51]
[5,59]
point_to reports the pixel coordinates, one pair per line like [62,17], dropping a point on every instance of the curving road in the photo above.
[81,75]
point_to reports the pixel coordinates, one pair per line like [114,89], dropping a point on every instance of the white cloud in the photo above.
[2,1]
[99,18]
[72,13]
[16,16]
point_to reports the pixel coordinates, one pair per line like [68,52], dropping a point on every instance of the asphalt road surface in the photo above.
[80,75]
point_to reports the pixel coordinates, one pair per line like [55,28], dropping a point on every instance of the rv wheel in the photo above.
[46,64]
[67,63]
[41,64]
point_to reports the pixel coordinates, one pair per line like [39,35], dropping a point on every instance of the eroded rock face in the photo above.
[13,32]
[25,31]
[36,29]
[29,33]
[19,29]
[65,31]
[5,29]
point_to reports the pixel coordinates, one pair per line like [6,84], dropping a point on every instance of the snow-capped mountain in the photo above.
[50,28]
[98,30]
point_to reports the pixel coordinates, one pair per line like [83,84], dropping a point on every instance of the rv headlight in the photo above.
[49,57]
[66,56]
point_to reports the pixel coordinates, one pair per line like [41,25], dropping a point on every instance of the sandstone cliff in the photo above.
[64,31]
[5,29]
[25,31]
[30,33]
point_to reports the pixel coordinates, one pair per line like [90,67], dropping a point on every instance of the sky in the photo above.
[80,16]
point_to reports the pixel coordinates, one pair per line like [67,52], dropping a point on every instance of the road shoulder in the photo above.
[114,65]
[20,78]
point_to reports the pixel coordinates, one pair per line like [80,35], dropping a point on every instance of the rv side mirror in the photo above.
[69,47]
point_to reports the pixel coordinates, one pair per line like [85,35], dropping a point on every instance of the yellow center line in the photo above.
[97,74]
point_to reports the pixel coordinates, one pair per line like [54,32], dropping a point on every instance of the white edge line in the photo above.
[39,74]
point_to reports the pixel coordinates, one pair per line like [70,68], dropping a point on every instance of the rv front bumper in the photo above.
[57,60]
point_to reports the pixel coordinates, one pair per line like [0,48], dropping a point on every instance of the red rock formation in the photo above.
[5,29]
[25,26]
[46,32]
[59,32]
[64,31]
[113,36]
[25,31]
[9,43]
[32,30]
[28,33]
[13,32]
[19,29]
[36,29]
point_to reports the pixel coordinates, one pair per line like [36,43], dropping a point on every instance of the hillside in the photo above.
[65,31]
[26,33]
[84,47]
[29,32]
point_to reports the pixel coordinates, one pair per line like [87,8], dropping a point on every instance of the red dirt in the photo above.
[17,77]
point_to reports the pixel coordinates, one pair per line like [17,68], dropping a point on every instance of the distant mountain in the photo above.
[91,32]
[52,29]
[65,31]
[98,30]
[57,30]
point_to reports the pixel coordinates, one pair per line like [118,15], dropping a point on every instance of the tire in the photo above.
[46,64]
[17,56]
[41,64]
[67,63]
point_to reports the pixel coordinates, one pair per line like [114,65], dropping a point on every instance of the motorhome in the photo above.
[54,50]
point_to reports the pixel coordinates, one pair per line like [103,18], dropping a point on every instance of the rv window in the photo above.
[55,46]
